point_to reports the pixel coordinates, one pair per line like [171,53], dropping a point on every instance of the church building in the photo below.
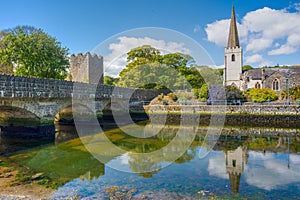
[275,78]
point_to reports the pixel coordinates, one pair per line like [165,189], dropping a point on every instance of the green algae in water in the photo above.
[61,163]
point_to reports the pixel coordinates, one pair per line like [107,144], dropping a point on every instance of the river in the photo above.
[177,162]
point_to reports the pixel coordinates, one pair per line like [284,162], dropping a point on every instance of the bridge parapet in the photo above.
[46,97]
[24,87]
[41,88]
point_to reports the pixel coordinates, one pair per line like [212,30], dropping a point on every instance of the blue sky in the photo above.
[269,30]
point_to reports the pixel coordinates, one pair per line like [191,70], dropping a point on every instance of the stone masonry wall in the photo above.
[24,87]
[86,68]
[244,109]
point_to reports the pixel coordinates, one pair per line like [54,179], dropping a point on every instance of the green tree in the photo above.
[247,67]
[233,93]
[149,76]
[294,93]
[262,95]
[147,68]
[221,71]
[5,68]
[202,93]
[34,53]
[176,60]
[139,56]
[211,76]
[108,80]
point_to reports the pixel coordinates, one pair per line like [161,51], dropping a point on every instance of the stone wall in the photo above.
[230,109]
[204,119]
[245,115]
[24,87]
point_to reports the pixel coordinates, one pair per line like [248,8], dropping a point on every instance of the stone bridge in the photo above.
[46,97]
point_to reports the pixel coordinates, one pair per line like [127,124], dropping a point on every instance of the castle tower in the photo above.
[86,68]
[233,56]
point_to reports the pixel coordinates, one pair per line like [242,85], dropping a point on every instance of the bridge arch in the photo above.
[66,113]
[17,116]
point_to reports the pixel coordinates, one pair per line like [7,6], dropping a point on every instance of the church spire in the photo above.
[233,39]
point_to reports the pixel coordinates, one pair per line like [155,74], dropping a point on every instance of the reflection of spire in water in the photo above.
[235,160]
[234,183]
[86,176]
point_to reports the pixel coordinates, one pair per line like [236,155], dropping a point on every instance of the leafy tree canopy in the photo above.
[221,71]
[202,93]
[246,67]
[139,56]
[294,93]
[147,68]
[34,53]
[108,80]
[233,93]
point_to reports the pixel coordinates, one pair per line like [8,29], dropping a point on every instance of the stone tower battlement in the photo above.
[86,68]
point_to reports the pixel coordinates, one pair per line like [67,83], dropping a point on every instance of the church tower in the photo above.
[235,160]
[233,56]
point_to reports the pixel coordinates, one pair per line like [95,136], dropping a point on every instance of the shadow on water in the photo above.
[15,138]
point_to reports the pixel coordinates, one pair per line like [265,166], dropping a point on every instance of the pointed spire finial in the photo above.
[233,39]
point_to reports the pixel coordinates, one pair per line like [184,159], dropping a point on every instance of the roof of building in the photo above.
[233,39]
[256,74]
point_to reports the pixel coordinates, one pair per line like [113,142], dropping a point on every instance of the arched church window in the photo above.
[275,84]
[257,85]
[232,57]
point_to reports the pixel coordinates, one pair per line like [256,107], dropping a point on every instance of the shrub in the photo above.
[184,95]
[172,96]
[160,97]
[262,95]
[294,93]
[233,93]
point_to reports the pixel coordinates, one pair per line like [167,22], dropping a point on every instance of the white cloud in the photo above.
[284,49]
[217,166]
[124,159]
[257,45]
[265,30]
[265,171]
[217,66]
[271,172]
[217,32]
[116,60]
[256,58]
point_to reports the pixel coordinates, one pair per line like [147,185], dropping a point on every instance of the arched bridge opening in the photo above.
[66,114]
[15,116]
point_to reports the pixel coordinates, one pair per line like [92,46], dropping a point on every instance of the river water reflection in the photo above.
[244,162]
